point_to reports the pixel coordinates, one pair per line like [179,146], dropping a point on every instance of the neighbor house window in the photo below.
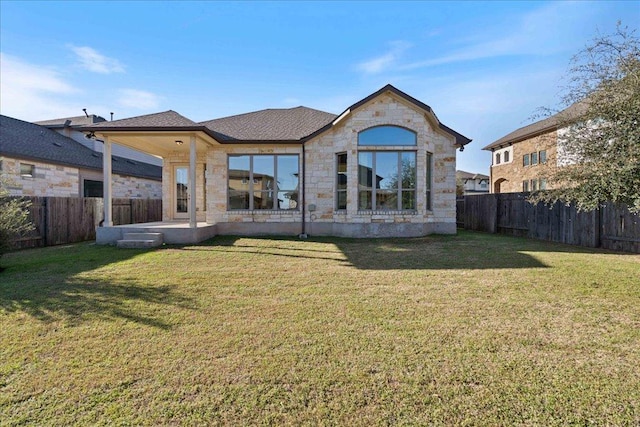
[387,180]
[525,186]
[534,185]
[428,183]
[497,158]
[92,188]
[534,158]
[387,135]
[506,156]
[543,184]
[27,170]
[263,182]
[341,181]
[525,160]
[543,156]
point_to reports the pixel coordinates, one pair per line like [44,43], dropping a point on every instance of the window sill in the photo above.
[387,212]
[263,211]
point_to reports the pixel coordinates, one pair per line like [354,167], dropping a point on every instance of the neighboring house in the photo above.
[385,166]
[518,158]
[68,126]
[473,183]
[41,162]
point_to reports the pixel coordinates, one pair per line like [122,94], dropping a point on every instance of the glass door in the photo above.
[181,192]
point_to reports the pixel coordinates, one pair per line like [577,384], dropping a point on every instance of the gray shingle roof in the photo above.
[288,124]
[164,119]
[74,121]
[34,142]
[540,127]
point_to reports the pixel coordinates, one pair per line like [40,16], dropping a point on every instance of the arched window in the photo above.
[497,158]
[506,156]
[387,135]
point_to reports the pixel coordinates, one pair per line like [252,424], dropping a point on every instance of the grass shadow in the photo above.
[49,285]
[467,250]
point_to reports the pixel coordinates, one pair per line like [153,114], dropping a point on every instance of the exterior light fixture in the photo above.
[178,142]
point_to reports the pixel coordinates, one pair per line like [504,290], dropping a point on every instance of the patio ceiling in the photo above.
[159,143]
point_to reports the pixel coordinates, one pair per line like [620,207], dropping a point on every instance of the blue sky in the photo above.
[484,67]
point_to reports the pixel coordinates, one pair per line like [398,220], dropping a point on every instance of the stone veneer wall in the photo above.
[321,175]
[321,180]
[246,222]
[64,181]
[168,203]
[49,180]
[515,172]
[130,187]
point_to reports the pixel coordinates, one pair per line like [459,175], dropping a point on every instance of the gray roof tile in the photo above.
[31,141]
[540,127]
[288,124]
[74,121]
[161,120]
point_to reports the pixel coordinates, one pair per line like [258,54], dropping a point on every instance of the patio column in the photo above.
[192,183]
[106,183]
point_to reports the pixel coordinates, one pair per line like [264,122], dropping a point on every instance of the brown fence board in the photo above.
[61,220]
[611,226]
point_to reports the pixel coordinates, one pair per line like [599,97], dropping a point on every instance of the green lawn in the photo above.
[473,329]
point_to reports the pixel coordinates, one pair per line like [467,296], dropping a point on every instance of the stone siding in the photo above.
[512,175]
[321,216]
[64,181]
[343,138]
[130,187]
[168,200]
[48,181]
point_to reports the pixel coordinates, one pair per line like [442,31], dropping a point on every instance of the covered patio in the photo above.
[167,135]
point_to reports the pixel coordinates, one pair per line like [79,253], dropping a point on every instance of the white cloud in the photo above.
[34,92]
[138,99]
[386,61]
[92,60]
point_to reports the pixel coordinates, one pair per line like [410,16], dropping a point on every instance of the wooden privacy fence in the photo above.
[61,220]
[610,227]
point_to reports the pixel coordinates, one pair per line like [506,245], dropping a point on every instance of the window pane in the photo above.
[263,200]
[543,156]
[239,173]
[27,169]
[287,199]
[409,200]
[263,173]
[238,199]
[408,170]
[429,157]
[497,158]
[525,160]
[387,200]
[506,156]
[287,172]
[341,179]
[342,200]
[364,200]
[534,158]
[386,170]
[365,170]
[386,135]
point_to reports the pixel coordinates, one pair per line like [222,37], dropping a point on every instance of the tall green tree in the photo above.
[599,141]
[14,217]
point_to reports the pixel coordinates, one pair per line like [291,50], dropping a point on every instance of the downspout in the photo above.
[303,233]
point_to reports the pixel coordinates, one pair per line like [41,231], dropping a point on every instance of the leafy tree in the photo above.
[600,134]
[14,217]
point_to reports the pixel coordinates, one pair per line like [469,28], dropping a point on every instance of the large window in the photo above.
[428,183]
[386,180]
[341,181]
[259,182]
[387,135]
[92,188]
